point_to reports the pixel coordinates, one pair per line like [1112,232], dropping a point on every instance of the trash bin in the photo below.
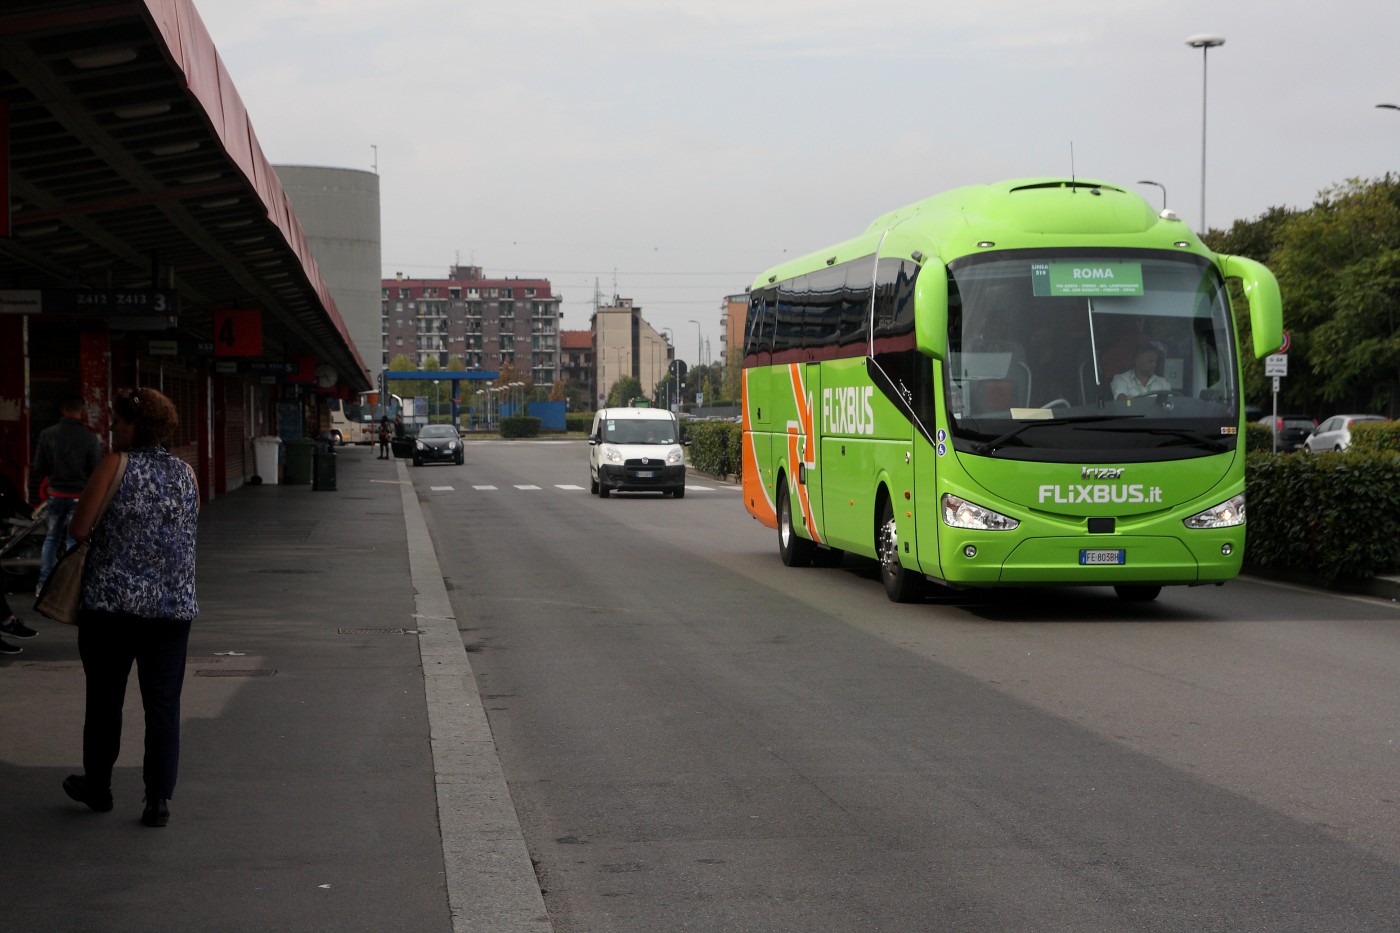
[323,467]
[298,471]
[265,451]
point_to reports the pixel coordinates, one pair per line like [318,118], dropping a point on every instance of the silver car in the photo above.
[1335,433]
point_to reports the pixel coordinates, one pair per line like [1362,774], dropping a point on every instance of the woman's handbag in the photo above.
[62,594]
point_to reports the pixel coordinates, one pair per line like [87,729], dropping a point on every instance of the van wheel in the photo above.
[795,551]
[1137,594]
[679,492]
[593,485]
[901,585]
[603,490]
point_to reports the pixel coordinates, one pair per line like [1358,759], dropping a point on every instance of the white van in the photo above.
[636,448]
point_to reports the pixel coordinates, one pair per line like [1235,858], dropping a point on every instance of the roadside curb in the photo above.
[491,883]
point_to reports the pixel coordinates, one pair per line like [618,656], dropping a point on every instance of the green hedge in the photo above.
[520,426]
[578,423]
[715,447]
[1258,437]
[1375,436]
[1323,516]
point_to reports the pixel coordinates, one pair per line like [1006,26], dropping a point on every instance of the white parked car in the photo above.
[1335,433]
[636,449]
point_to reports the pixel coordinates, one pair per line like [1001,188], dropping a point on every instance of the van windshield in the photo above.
[639,431]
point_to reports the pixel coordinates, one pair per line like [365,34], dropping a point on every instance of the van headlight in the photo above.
[959,513]
[675,456]
[1227,514]
[612,454]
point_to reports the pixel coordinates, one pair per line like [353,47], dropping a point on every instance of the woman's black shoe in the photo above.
[157,812]
[76,786]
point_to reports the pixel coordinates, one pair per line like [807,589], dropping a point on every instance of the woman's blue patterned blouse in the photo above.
[141,556]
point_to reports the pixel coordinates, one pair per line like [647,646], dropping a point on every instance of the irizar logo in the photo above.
[1101,473]
[848,410]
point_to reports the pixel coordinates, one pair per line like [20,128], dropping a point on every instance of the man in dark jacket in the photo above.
[68,453]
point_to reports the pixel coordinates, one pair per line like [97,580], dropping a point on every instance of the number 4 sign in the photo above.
[238,333]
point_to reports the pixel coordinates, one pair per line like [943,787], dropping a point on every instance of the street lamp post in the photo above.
[1205,43]
[1388,106]
[1157,185]
[670,341]
[437,404]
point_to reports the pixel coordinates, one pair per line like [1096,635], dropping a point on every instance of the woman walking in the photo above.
[138,599]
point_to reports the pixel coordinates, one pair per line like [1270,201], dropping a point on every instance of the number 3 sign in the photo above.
[238,333]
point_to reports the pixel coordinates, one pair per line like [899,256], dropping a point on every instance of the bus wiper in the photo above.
[1195,437]
[993,444]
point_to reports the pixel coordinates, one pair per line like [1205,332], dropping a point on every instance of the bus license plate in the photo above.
[1087,558]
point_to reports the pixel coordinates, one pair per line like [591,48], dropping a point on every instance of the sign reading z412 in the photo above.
[111,302]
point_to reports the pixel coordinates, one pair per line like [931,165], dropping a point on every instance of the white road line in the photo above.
[484,488]
[526,487]
[567,486]
[442,488]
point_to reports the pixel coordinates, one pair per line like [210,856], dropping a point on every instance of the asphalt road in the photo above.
[699,738]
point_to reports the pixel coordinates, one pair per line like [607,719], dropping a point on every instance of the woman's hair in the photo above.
[152,416]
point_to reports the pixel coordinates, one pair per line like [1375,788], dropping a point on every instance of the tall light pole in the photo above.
[1388,106]
[1157,185]
[1205,43]
[670,342]
[699,351]
[437,406]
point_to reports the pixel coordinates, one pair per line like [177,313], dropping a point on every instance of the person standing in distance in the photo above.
[68,453]
[138,600]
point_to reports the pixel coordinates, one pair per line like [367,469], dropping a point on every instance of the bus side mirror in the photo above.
[1265,301]
[931,309]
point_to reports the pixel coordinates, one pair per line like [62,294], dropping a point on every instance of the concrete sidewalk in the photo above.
[326,783]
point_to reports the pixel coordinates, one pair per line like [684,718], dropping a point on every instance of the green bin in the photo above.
[297,471]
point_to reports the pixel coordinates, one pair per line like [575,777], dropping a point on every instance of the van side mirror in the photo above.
[931,309]
[1265,301]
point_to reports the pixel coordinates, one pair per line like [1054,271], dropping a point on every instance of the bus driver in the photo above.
[1142,379]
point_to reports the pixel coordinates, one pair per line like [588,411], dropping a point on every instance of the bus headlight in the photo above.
[675,456]
[959,513]
[1227,514]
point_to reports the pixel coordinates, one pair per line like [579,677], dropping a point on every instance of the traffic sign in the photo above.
[1276,364]
[1287,342]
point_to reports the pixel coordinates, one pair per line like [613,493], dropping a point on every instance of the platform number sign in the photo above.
[238,333]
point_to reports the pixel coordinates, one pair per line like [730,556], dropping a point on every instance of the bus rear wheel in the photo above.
[901,585]
[1137,594]
[795,551]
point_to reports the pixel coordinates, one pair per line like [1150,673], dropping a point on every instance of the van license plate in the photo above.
[646,474]
[1103,557]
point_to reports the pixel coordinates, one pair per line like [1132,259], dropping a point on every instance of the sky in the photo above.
[668,152]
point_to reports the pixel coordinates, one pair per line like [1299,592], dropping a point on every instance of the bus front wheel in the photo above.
[901,585]
[1137,594]
[795,550]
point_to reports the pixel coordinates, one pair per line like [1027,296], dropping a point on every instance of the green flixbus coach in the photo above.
[1034,382]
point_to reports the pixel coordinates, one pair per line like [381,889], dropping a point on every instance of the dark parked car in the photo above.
[438,443]
[1290,430]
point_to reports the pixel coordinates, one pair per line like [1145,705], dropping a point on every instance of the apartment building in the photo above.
[486,323]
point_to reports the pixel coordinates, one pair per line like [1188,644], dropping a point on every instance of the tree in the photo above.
[624,391]
[1338,265]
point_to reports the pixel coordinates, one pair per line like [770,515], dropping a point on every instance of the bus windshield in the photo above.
[1057,353]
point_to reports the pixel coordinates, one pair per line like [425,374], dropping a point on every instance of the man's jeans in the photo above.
[56,542]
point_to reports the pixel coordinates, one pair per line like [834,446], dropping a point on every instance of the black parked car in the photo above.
[1290,430]
[438,443]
